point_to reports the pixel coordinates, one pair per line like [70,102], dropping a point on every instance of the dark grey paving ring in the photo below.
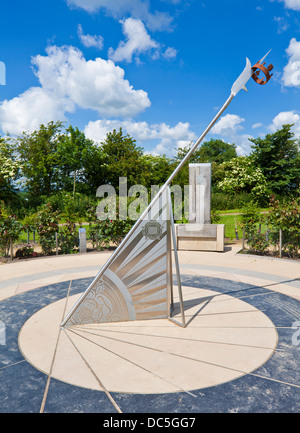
[272,388]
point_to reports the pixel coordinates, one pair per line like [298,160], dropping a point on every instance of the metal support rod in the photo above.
[56,243]
[280,243]
[243,241]
[11,249]
[176,261]
[170,301]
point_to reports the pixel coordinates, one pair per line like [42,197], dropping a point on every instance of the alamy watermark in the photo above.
[2,74]
[131,203]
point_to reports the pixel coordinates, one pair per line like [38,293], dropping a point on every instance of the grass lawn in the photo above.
[232,222]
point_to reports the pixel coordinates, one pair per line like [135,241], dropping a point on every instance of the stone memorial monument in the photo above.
[200,234]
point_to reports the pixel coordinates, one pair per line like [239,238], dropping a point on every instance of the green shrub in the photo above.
[251,221]
[250,218]
[69,205]
[284,215]
[10,229]
[47,225]
[258,242]
[26,251]
[29,222]
[104,233]
[222,201]
[68,238]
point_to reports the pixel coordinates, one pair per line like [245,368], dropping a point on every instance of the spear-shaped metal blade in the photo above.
[261,60]
[245,76]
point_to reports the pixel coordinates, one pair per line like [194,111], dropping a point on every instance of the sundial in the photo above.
[143,336]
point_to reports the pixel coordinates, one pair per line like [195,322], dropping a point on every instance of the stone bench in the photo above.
[200,237]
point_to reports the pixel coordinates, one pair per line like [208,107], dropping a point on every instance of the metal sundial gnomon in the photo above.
[136,282]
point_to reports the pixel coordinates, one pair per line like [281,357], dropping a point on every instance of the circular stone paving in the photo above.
[225,338]
[238,353]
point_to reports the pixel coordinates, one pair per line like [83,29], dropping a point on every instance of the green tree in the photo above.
[9,168]
[94,173]
[158,169]
[217,151]
[242,175]
[122,158]
[72,152]
[213,151]
[56,159]
[40,159]
[210,151]
[278,156]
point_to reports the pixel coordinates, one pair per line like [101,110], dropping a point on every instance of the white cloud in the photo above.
[162,137]
[170,53]
[69,81]
[171,138]
[243,145]
[284,118]
[229,127]
[292,4]
[282,24]
[95,84]
[291,72]
[138,9]
[89,40]
[30,109]
[228,124]
[137,41]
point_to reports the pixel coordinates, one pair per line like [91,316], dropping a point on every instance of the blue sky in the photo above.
[160,69]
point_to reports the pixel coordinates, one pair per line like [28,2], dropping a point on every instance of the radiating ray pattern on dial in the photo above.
[135,285]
